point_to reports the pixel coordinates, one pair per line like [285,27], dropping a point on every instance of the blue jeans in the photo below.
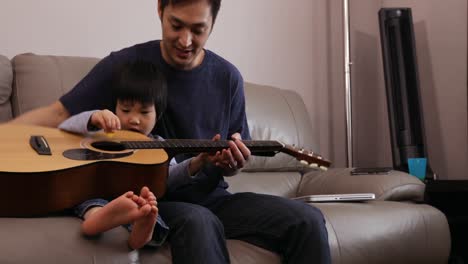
[293,229]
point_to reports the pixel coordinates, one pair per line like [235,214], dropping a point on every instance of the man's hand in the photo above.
[235,157]
[106,120]
[231,159]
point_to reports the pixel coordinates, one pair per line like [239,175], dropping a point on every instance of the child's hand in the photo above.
[106,120]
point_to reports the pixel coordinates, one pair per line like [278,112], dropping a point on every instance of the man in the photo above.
[205,98]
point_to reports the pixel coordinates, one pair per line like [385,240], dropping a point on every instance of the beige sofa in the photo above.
[396,228]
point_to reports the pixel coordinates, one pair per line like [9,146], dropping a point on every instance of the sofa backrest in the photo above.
[40,80]
[277,114]
[273,113]
[6,77]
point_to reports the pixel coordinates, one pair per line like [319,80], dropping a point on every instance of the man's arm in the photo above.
[51,116]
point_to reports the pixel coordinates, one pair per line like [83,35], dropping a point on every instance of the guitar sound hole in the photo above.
[108,145]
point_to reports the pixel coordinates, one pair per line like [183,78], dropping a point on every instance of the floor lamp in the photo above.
[347,71]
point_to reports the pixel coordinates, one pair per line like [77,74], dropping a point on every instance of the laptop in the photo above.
[347,197]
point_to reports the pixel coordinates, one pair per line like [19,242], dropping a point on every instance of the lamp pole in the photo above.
[347,71]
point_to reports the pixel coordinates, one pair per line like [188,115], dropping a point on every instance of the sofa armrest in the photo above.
[394,186]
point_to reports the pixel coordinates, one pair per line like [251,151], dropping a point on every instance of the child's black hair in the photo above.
[140,81]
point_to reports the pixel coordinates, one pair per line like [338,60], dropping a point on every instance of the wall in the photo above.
[440,29]
[84,28]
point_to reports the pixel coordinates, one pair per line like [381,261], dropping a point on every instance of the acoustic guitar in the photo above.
[44,170]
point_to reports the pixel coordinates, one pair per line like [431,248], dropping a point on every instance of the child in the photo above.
[139,90]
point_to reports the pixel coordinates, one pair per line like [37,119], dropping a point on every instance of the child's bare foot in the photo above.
[122,210]
[143,227]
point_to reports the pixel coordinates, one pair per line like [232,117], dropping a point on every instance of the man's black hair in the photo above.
[140,81]
[215,5]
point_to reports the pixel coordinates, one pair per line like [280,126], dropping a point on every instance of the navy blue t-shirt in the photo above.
[202,102]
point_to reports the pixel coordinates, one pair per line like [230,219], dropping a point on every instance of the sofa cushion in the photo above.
[394,186]
[58,239]
[240,252]
[277,114]
[40,80]
[6,78]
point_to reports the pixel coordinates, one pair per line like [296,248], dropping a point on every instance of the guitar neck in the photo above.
[197,146]
[177,146]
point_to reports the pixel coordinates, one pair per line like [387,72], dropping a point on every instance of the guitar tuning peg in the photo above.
[303,162]
[311,154]
[313,165]
[323,168]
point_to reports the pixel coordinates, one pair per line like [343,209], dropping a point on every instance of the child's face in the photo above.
[136,116]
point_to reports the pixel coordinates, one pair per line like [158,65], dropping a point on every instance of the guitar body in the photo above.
[34,184]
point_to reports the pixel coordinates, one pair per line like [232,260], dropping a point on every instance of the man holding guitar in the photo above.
[205,98]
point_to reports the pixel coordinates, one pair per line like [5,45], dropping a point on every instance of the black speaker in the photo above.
[402,86]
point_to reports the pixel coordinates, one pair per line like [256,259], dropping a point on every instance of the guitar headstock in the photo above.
[308,158]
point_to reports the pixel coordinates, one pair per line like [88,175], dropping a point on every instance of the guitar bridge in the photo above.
[40,145]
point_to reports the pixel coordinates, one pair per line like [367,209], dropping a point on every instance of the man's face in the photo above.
[185,29]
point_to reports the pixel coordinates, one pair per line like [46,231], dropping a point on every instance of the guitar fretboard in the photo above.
[195,145]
